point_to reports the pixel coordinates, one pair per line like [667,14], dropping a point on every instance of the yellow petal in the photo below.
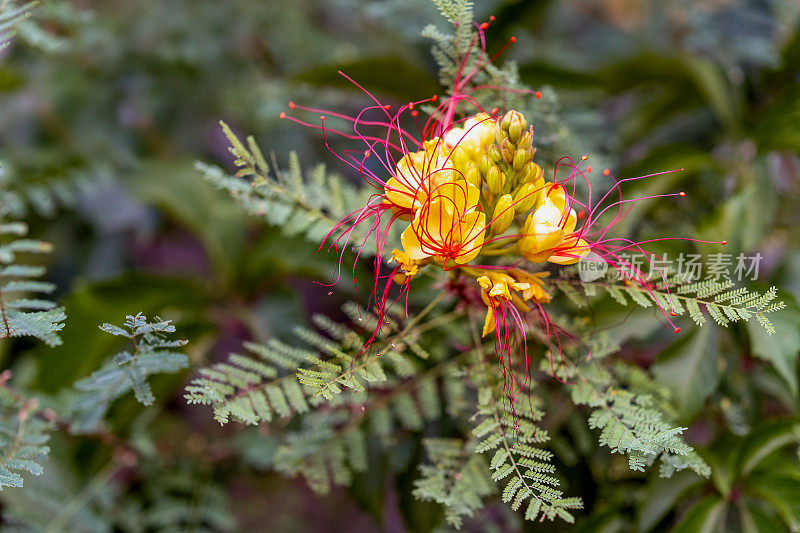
[488,323]
[411,244]
[571,255]
[470,232]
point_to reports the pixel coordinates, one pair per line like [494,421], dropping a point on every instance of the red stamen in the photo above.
[724,242]
[681,193]
[677,330]
[282,115]
[606,172]
[589,169]
[291,105]
[538,94]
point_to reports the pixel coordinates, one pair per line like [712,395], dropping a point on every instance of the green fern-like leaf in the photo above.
[308,205]
[455,477]
[152,353]
[23,436]
[22,312]
[722,303]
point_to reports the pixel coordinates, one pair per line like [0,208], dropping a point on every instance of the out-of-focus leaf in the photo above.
[690,368]
[782,348]
[662,495]
[756,519]
[393,75]
[704,517]
[782,490]
[762,441]
[711,81]
[214,218]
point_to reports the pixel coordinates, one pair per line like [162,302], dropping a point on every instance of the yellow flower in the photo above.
[473,137]
[448,226]
[498,286]
[419,173]
[546,233]
[409,267]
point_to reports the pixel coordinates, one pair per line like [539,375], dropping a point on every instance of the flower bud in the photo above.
[473,174]
[503,214]
[531,173]
[526,139]
[494,153]
[496,180]
[513,125]
[521,157]
[526,197]
[507,151]
[459,157]
[484,164]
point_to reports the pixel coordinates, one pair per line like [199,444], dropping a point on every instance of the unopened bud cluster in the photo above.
[496,156]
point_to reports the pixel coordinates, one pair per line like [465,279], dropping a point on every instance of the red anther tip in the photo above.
[584,157]
[681,193]
[282,115]
[434,97]
[677,330]
[322,117]
[724,242]
[414,113]
[491,18]
[606,172]
[581,214]
[494,110]
[513,39]
[589,169]
[673,313]
[291,105]
[410,105]
[538,94]
[484,25]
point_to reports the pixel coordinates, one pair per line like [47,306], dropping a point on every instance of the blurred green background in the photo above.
[108,104]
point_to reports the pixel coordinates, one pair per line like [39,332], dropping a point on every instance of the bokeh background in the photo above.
[106,105]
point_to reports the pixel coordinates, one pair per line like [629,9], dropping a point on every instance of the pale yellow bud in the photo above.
[531,173]
[521,157]
[526,197]
[484,164]
[473,175]
[459,157]
[513,124]
[494,153]
[496,180]
[503,214]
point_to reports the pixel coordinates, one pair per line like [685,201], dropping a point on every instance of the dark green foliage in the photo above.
[104,113]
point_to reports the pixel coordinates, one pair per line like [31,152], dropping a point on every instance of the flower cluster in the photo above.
[474,195]
[476,205]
